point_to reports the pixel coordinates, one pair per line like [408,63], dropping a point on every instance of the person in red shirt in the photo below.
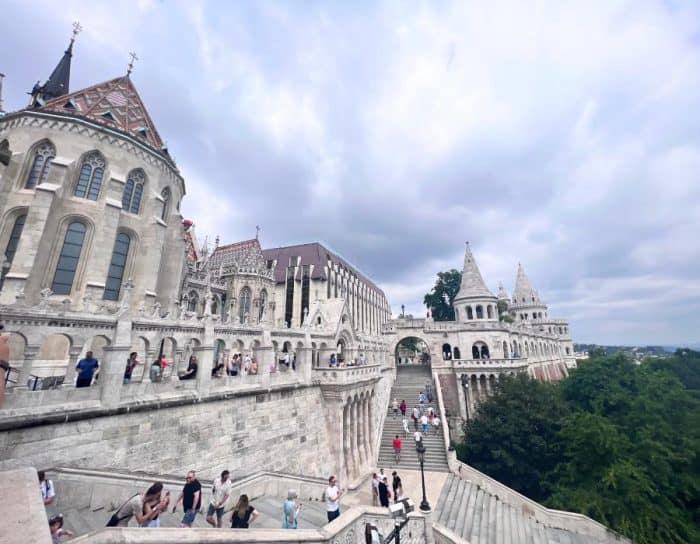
[397,448]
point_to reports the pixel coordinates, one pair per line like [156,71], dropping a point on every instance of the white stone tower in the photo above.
[474,301]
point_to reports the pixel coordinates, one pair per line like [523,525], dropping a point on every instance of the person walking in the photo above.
[191,497]
[149,504]
[396,443]
[375,493]
[415,415]
[131,363]
[397,487]
[134,508]
[86,370]
[402,407]
[243,514]
[405,427]
[424,424]
[394,408]
[48,492]
[57,530]
[421,398]
[291,510]
[220,493]
[384,494]
[418,437]
[333,494]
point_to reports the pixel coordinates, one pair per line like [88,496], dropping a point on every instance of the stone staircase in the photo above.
[410,380]
[480,517]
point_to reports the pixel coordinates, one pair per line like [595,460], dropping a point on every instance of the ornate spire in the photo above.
[524,293]
[472,285]
[130,68]
[58,83]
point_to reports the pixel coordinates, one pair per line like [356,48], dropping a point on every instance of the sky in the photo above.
[561,135]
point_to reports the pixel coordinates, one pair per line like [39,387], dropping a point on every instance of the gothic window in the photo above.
[244,305]
[133,191]
[41,163]
[263,303]
[165,194]
[470,313]
[68,259]
[192,301]
[115,275]
[479,312]
[91,173]
[12,244]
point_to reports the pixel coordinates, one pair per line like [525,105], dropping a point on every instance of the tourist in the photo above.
[397,486]
[394,408]
[405,427]
[431,416]
[86,370]
[384,494]
[191,497]
[375,487]
[220,493]
[243,514]
[421,398]
[333,361]
[57,530]
[415,415]
[424,424]
[285,360]
[133,508]
[232,366]
[396,443]
[131,363]
[247,361]
[253,367]
[333,494]
[291,510]
[418,437]
[154,502]
[217,370]
[48,492]
[430,395]
[402,407]
[436,422]
[362,359]
[191,372]
[155,373]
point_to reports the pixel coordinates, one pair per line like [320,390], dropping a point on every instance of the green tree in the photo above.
[514,437]
[440,298]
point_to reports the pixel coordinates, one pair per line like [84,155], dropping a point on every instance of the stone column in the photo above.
[304,364]
[73,356]
[112,368]
[346,441]
[151,355]
[205,358]
[30,353]
[367,436]
[353,439]
[461,397]
[373,448]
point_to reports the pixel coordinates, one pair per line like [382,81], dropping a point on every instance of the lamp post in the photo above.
[420,450]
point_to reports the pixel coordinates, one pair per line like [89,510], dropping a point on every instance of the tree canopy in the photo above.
[443,293]
[617,441]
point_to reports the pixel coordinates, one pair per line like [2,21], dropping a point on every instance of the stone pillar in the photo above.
[205,358]
[461,397]
[74,354]
[112,368]
[367,436]
[304,364]
[373,448]
[353,439]
[346,441]
[30,353]
[151,355]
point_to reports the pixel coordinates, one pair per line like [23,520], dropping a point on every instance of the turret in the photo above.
[474,300]
[526,304]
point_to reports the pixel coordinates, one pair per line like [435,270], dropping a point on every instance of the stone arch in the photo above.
[480,350]
[219,350]
[97,345]
[52,358]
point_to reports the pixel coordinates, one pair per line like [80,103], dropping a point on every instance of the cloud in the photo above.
[561,136]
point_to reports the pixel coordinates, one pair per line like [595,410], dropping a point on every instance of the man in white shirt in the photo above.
[219,497]
[48,493]
[417,436]
[333,494]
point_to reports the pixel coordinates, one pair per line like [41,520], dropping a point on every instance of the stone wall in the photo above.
[280,430]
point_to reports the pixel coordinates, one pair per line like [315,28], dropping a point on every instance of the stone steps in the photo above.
[481,518]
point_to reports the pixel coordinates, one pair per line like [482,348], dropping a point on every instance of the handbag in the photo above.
[114,520]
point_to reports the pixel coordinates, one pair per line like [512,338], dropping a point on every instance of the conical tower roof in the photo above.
[472,285]
[115,104]
[524,293]
[58,83]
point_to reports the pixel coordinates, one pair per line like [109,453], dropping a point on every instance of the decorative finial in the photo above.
[77,29]
[216,241]
[257,232]
[130,68]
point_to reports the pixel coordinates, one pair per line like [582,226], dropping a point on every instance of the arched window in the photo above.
[479,312]
[470,313]
[446,352]
[115,275]
[192,301]
[263,304]
[489,311]
[214,308]
[457,354]
[244,306]
[165,194]
[68,259]
[91,173]
[475,352]
[12,244]
[133,191]
[41,163]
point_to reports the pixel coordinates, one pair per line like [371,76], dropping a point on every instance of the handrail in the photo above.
[441,405]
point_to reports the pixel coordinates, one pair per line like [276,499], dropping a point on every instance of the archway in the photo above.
[412,350]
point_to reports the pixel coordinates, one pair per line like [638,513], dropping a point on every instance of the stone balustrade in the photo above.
[510,364]
[346,375]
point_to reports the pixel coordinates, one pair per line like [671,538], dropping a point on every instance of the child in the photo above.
[57,530]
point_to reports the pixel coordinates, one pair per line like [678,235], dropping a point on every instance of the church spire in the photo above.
[524,293]
[472,285]
[58,83]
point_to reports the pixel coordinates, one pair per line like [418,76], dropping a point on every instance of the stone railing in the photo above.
[441,406]
[346,375]
[569,521]
[349,528]
[518,362]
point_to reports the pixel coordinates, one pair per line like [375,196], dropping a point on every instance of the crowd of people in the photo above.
[381,495]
